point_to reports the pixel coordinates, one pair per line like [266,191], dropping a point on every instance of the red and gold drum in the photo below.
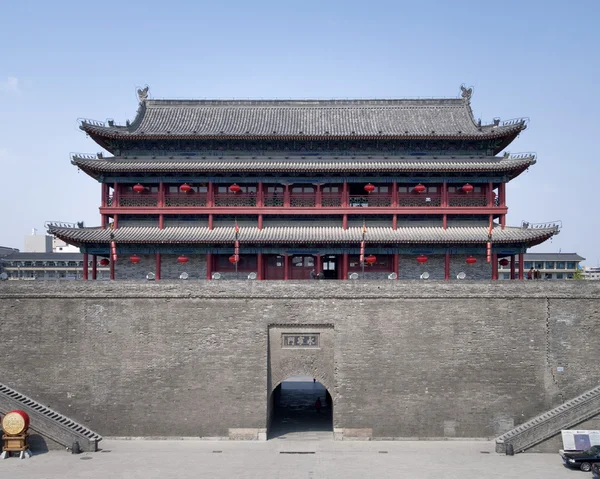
[15,422]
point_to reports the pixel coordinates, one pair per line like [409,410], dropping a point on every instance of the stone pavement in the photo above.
[321,459]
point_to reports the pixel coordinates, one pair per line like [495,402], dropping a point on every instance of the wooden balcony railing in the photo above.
[273,199]
[422,199]
[138,199]
[303,200]
[331,200]
[186,199]
[237,199]
[467,200]
[372,200]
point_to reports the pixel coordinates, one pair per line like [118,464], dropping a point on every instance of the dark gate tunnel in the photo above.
[292,408]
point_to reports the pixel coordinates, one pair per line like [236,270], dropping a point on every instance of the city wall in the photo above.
[400,359]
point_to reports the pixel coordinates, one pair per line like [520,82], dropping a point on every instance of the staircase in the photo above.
[543,427]
[49,423]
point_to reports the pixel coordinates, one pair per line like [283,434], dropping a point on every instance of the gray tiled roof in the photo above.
[552,257]
[441,118]
[246,164]
[293,234]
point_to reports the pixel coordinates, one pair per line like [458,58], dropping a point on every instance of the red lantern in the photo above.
[138,188]
[419,188]
[504,262]
[422,258]
[185,188]
[369,188]
[135,259]
[234,258]
[104,262]
[235,188]
[182,259]
[467,188]
[370,259]
[471,260]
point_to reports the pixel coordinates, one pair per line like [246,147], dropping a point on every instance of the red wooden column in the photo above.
[286,267]
[115,221]
[112,270]
[345,221]
[259,263]
[210,197]
[85,266]
[397,265]
[319,196]
[209,266]
[444,194]
[260,195]
[490,194]
[394,222]
[502,199]
[521,267]
[445,221]
[394,195]
[502,221]
[494,266]
[210,221]
[286,196]
[161,195]
[158,261]
[447,267]
[512,267]
[345,266]
[115,198]
[94,267]
[103,219]
[260,222]
[161,221]
[104,198]
[345,195]
[317,264]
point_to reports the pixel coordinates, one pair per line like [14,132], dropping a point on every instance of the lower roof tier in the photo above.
[96,167]
[304,235]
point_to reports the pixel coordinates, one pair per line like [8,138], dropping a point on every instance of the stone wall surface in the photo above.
[401,358]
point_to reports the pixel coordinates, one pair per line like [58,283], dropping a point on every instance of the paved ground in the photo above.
[273,459]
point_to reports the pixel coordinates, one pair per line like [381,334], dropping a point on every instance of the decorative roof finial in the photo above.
[143,94]
[466,93]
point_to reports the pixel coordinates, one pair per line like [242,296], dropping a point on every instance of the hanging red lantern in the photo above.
[138,188]
[182,259]
[185,188]
[467,188]
[471,260]
[504,262]
[235,188]
[234,258]
[419,188]
[135,259]
[370,259]
[422,259]
[104,262]
[369,188]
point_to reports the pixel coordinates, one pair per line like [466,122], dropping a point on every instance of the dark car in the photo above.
[596,470]
[582,459]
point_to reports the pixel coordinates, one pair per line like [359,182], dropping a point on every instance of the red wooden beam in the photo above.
[521,267]
[94,267]
[85,266]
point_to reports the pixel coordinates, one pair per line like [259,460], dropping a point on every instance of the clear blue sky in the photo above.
[68,59]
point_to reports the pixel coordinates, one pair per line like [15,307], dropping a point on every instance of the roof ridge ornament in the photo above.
[143,94]
[466,93]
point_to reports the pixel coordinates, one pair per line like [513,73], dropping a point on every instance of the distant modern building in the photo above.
[59,246]
[550,265]
[591,272]
[48,266]
[35,243]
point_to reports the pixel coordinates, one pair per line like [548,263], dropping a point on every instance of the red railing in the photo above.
[372,200]
[331,200]
[273,199]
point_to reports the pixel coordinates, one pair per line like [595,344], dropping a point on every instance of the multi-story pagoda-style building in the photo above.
[281,189]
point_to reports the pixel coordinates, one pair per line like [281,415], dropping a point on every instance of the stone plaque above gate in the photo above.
[310,340]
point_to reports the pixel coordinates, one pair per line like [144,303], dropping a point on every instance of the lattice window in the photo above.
[138,200]
[274,199]
[422,199]
[467,200]
[239,199]
[331,199]
[185,200]
[302,200]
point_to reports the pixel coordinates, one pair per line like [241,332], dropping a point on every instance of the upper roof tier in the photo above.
[306,119]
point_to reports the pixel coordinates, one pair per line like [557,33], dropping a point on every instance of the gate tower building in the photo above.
[300,189]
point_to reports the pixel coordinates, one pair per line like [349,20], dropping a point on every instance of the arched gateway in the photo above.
[300,370]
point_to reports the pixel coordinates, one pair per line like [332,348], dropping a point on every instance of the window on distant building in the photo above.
[571,265]
[539,265]
[505,276]
[560,265]
[560,276]
[549,264]
[528,264]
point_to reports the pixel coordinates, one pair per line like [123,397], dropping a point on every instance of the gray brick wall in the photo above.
[170,267]
[409,358]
